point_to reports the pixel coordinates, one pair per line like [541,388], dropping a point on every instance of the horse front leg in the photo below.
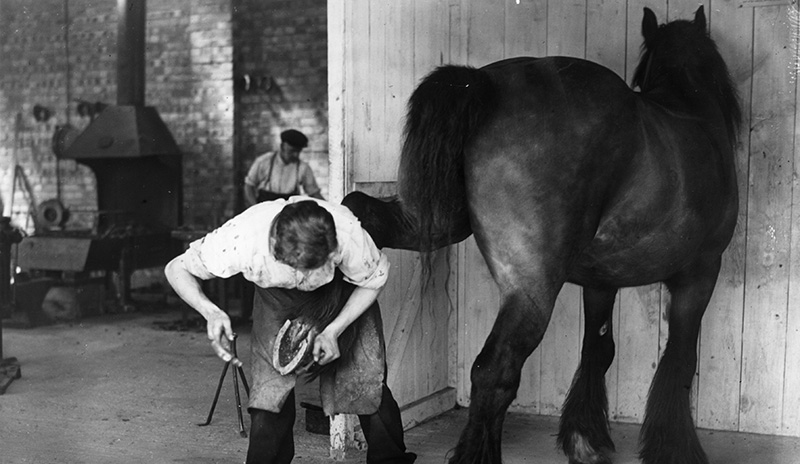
[668,434]
[583,434]
[495,376]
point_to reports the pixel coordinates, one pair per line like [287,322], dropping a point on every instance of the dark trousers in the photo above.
[272,440]
[248,294]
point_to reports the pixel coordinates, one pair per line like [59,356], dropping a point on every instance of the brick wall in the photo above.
[282,45]
[194,48]
[33,58]
[190,80]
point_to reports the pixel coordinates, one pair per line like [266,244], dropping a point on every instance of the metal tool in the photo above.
[237,371]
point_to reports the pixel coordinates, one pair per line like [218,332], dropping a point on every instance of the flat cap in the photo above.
[294,138]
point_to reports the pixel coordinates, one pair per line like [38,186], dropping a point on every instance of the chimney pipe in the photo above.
[128,129]
[131,52]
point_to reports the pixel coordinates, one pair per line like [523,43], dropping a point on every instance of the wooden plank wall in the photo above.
[769,229]
[748,375]
[720,353]
[374,63]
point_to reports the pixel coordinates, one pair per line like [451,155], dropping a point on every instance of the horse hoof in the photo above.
[669,458]
[597,459]
[583,452]
[476,446]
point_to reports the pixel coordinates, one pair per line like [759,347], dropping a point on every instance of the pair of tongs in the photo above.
[237,371]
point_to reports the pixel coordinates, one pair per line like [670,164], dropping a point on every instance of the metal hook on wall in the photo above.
[41,113]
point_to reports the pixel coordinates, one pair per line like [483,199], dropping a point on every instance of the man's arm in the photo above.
[188,288]
[249,195]
[326,345]
[309,183]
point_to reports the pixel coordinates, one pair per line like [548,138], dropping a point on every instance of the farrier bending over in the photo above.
[288,248]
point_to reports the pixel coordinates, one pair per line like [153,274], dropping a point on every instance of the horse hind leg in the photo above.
[583,432]
[496,372]
[668,434]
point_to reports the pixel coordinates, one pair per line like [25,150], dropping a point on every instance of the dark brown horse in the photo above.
[565,174]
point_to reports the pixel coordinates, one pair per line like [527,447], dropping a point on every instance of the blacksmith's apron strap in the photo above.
[268,195]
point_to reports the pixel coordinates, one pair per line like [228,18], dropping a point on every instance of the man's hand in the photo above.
[326,347]
[218,324]
[326,344]
[221,334]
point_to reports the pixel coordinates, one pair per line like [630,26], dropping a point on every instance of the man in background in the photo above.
[273,176]
[281,174]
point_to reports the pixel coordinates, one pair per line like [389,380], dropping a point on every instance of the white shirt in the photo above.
[242,245]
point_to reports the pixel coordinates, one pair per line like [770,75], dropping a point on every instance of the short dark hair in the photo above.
[305,235]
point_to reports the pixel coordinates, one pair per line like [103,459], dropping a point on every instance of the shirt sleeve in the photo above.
[363,264]
[221,253]
[254,175]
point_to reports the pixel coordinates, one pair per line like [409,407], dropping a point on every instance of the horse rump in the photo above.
[444,112]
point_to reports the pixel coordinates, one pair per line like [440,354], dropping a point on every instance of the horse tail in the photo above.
[444,112]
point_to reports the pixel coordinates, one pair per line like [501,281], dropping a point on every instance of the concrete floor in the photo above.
[130,388]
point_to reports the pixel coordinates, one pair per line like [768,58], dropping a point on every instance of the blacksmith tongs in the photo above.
[237,371]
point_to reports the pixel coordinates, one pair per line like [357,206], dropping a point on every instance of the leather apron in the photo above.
[353,386]
[268,195]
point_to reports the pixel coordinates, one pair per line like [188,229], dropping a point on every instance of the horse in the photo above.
[564,173]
